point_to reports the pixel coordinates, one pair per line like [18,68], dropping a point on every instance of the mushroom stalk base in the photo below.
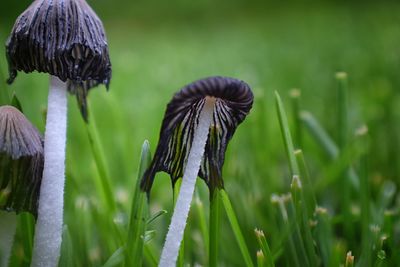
[8,225]
[179,218]
[48,233]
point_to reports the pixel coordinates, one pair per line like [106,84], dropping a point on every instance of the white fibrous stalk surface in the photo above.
[181,211]
[48,233]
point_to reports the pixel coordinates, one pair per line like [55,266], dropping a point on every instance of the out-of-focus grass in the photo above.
[274,48]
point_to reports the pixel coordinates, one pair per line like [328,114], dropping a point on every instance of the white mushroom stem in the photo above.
[8,225]
[179,218]
[48,233]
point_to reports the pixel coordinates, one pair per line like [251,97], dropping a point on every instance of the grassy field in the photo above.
[273,48]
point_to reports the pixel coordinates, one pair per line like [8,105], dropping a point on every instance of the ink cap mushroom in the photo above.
[21,162]
[198,124]
[21,169]
[65,39]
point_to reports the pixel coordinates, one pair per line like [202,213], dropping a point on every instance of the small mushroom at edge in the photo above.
[21,169]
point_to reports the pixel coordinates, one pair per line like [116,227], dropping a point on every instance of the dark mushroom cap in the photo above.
[234,100]
[64,38]
[21,162]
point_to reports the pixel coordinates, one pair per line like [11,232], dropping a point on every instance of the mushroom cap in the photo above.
[234,100]
[64,38]
[21,162]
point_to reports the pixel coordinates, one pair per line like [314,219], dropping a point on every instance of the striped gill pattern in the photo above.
[21,162]
[64,38]
[234,100]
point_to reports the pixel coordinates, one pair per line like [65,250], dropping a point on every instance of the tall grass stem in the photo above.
[287,139]
[214,227]
[236,228]
[139,214]
[100,161]
[8,225]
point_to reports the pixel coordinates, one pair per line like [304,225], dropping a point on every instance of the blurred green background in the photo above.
[157,47]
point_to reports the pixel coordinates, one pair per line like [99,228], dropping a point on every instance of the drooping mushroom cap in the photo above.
[21,162]
[64,38]
[234,100]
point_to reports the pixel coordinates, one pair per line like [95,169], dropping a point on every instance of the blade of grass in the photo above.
[366,246]
[156,215]
[262,241]
[214,227]
[292,256]
[15,103]
[349,260]
[333,171]
[4,96]
[303,229]
[181,255]
[307,197]
[324,237]
[326,143]
[342,119]
[150,256]
[236,228]
[287,139]
[26,223]
[67,253]
[116,259]
[100,161]
[299,204]
[342,141]
[139,214]
[308,189]
[260,259]
[381,259]
[295,97]
[295,218]
[203,222]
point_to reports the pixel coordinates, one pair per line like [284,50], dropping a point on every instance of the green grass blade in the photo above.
[156,215]
[67,253]
[116,259]
[292,254]
[302,228]
[236,228]
[365,196]
[287,139]
[139,214]
[298,136]
[4,96]
[214,227]
[342,141]
[295,217]
[342,124]
[326,142]
[100,160]
[16,103]
[150,256]
[308,190]
[320,135]
[260,259]
[299,204]
[199,206]
[307,205]
[26,223]
[266,252]
[349,260]
[324,237]
[181,255]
